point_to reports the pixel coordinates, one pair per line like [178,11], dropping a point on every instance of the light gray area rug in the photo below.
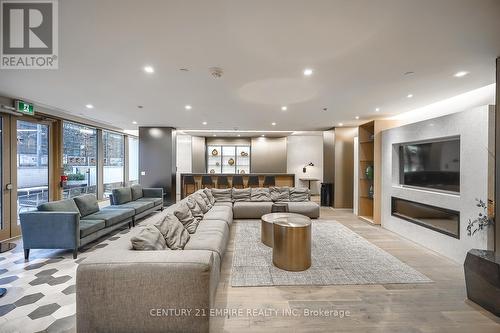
[339,257]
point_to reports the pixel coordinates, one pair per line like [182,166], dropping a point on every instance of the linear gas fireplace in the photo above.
[445,221]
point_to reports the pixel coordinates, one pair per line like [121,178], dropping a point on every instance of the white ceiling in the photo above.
[358,49]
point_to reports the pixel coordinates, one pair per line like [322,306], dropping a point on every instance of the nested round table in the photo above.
[292,243]
[266,226]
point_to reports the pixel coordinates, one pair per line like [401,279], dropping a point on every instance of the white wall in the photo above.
[472,127]
[300,151]
[184,163]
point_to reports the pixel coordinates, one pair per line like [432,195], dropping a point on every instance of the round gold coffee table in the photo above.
[266,227]
[292,242]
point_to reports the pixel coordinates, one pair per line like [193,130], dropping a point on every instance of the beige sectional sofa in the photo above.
[124,290]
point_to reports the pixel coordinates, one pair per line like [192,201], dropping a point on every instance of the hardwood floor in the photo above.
[432,307]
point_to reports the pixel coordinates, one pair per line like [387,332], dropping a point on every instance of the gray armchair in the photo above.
[50,230]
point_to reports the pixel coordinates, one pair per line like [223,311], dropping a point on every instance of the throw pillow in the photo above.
[280,193]
[136,192]
[222,195]
[201,202]
[241,194]
[210,196]
[205,197]
[122,195]
[149,238]
[183,213]
[299,194]
[67,205]
[174,233]
[195,208]
[87,204]
[260,194]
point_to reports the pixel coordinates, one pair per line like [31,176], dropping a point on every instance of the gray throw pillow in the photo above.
[67,205]
[136,191]
[122,195]
[260,194]
[242,194]
[222,195]
[149,238]
[299,194]
[183,213]
[174,233]
[194,207]
[205,197]
[87,204]
[211,198]
[280,193]
[201,202]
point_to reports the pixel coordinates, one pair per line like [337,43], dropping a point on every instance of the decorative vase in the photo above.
[230,161]
[370,191]
[482,279]
[369,172]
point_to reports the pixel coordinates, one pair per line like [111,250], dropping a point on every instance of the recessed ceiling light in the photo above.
[273,123]
[341,124]
[134,122]
[188,107]
[204,123]
[377,109]
[410,95]
[263,135]
[357,117]
[149,69]
[284,108]
[461,74]
[215,134]
[308,72]
[89,106]
[239,134]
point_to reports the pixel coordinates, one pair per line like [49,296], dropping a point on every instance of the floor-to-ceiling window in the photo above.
[79,159]
[32,164]
[114,161]
[133,160]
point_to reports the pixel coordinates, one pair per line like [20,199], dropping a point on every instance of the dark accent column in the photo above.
[100,165]
[497,161]
[157,159]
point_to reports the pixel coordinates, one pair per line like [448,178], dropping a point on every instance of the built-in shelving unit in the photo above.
[228,159]
[370,154]
[366,135]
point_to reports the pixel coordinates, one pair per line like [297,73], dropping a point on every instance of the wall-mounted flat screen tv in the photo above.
[432,165]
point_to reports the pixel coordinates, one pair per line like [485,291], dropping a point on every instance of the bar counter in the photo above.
[281,179]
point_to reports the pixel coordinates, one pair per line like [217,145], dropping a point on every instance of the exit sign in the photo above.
[26,108]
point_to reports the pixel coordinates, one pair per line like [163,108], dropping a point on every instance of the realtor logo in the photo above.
[29,38]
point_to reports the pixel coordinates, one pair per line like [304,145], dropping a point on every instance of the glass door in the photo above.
[32,163]
[4,198]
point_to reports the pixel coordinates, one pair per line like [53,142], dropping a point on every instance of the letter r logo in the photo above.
[27,27]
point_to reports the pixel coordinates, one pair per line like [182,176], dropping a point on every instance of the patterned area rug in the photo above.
[339,257]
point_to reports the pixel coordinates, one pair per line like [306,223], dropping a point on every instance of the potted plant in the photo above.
[76,179]
[482,267]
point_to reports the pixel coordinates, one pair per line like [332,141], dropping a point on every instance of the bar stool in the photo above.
[189,181]
[207,181]
[269,181]
[238,181]
[222,181]
[253,181]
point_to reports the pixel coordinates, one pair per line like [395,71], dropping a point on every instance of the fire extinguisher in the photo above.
[64,180]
